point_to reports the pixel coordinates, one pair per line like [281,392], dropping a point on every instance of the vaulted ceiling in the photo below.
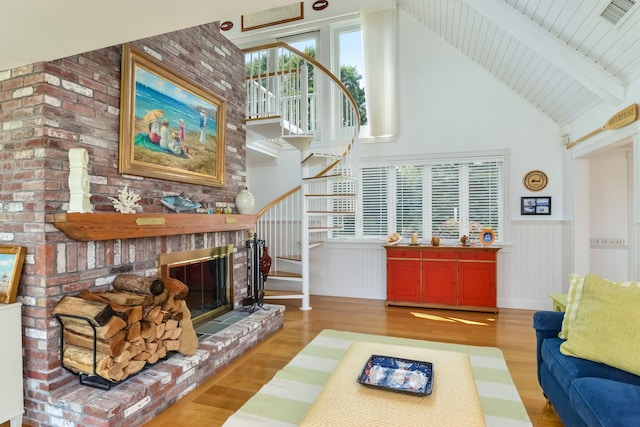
[561,56]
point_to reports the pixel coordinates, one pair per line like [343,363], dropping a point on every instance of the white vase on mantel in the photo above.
[244,202]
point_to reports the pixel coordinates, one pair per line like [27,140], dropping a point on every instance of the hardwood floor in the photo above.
[510,330]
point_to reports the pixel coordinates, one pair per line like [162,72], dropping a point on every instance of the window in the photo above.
[431,199]
[348,57]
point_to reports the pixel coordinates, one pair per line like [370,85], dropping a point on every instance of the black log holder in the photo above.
[92,380]
[255,278]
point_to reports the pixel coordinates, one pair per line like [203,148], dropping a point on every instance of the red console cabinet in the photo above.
[477,279]
[403,276]
[439,277]
[454,277]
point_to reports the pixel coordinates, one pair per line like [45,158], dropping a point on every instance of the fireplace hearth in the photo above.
[148,393]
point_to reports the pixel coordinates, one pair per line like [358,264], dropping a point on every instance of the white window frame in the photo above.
[501,156]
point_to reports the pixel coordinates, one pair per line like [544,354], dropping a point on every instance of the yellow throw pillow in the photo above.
[576,281]
[605,328]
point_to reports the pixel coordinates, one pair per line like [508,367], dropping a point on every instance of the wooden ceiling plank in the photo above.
[591,75]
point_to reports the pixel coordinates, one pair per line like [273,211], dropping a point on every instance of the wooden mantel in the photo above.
[111,226]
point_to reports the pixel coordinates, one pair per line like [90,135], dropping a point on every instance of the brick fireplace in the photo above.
[49,107]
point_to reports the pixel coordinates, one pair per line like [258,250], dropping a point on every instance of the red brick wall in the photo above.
[48,108]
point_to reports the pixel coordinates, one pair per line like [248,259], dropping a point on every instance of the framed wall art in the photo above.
[535,206]
[274,16]
[11,260]
[170,127]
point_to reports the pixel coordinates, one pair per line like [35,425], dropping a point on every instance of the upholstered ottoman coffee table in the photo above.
[454,400]
[292,393]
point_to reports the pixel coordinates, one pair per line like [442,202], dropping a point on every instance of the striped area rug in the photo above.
[284,401]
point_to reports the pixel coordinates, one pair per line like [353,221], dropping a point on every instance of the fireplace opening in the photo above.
[209,275]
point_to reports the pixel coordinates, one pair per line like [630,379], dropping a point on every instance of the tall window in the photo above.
[349,59]
[442,199]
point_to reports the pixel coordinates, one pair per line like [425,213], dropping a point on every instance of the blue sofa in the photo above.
[583,393]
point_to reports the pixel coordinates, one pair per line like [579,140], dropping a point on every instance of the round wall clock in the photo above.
[535,180]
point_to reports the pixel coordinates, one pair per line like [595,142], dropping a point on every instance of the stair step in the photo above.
[273,294]
[284,275]
[270,127]
[295,258]
[319,159]
[300,142]
[336,176]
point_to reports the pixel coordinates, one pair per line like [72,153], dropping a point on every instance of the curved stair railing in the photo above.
[295,100]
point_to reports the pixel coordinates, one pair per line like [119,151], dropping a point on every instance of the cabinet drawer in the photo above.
[439,255]
[403,253]
[480,255]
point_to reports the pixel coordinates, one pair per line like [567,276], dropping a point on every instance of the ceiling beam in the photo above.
[596,79]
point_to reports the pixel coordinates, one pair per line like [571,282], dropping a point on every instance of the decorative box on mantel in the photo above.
[111,226]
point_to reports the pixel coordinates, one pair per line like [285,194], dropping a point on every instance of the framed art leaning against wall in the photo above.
[11,260]
[170,127]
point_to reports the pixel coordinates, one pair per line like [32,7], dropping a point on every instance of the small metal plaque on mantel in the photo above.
[149,221]
[230,220]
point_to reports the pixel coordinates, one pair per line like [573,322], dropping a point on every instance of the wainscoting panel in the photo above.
[349,270]
[529,268]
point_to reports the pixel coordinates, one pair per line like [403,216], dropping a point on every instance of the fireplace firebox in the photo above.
[209,275]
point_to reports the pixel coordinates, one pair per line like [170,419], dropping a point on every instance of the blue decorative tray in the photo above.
[395,374]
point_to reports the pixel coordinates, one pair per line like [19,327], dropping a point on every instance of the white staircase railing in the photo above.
[316,114]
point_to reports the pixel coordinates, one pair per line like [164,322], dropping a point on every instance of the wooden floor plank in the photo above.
[510,330]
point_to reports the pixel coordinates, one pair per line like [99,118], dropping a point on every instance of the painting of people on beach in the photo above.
[11,260]
[171,128]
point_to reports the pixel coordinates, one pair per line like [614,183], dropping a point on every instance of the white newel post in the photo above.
[79,199]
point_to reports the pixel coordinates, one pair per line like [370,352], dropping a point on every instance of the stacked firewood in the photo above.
[139,322]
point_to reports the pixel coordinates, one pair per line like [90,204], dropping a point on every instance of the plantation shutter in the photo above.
[409,194]
[374,202]
[430,199]
[445,201]
[485,196]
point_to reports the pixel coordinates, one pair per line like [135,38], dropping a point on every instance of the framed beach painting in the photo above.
[170,127]
[11,260]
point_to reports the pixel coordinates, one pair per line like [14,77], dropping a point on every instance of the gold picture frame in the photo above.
[170,127]
[274,16]
[11,260]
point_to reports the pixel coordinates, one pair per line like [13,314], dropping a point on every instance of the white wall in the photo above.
[599,170]
[447,103]
[269,180]
[610,214]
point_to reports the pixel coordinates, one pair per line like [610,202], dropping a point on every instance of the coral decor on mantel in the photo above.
[127,201]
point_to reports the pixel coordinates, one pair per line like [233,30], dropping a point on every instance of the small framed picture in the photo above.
[11,259]
[535,206]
